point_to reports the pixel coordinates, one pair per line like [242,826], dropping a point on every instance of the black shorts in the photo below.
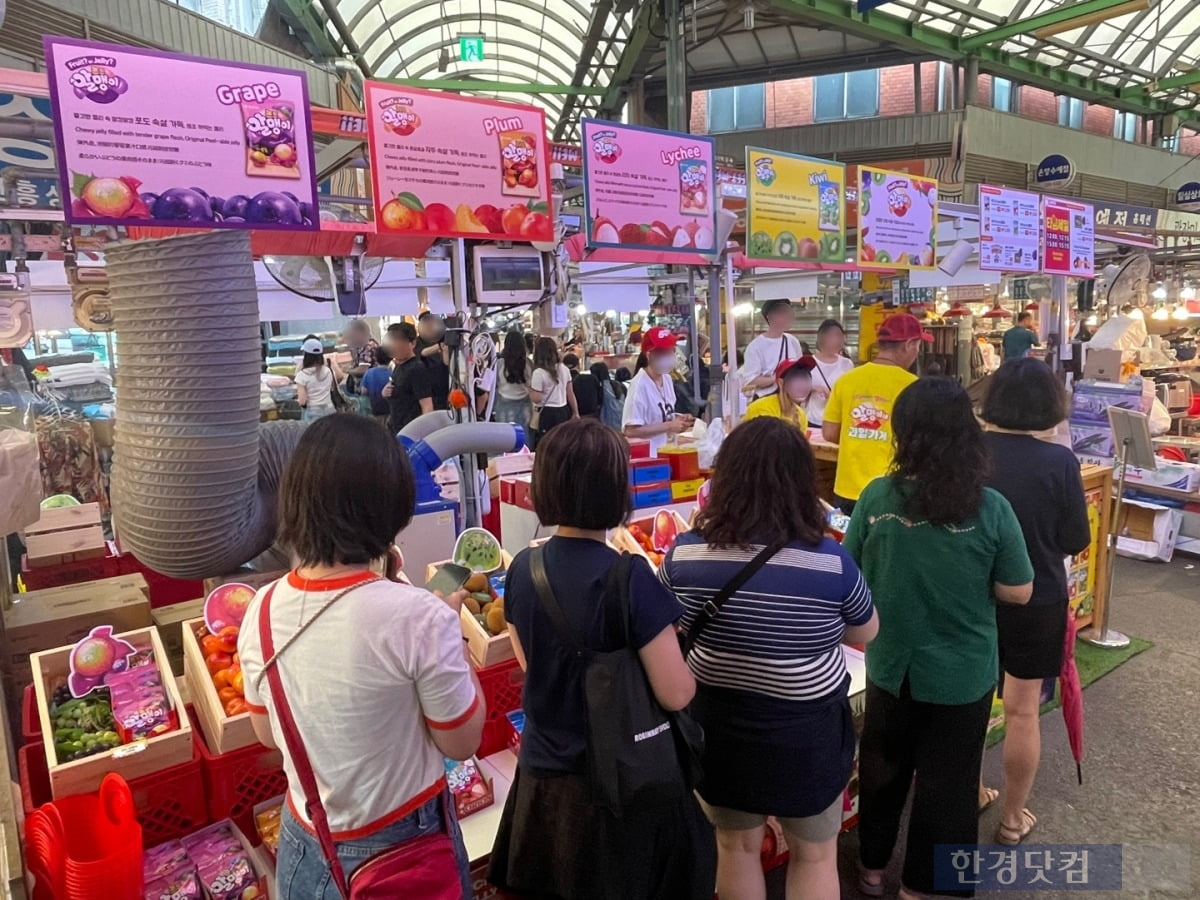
[1031,639]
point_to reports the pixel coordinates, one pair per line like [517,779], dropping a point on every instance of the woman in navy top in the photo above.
[772,678]
[553,842]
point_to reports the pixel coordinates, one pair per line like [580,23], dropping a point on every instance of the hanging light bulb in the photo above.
[1160,292]
[1181,313]
[743,309]
[1159,314]
[1187,293]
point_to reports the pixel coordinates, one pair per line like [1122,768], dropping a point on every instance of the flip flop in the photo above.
[870,888]
[1009,836]
[988,796]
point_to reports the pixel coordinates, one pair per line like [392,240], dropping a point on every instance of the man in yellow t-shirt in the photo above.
[793,380]
[858,416]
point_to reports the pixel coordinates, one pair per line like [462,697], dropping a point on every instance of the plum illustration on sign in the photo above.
[455,166]
[226,605]
[897,220]
[648,189]
[1010,230]
[796,207]
[228,146]
[1069,238]
[94,657]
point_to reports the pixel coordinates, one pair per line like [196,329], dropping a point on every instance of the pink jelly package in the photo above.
[140,705]
[225,869]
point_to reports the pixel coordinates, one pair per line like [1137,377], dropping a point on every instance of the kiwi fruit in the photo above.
[495,620]
[477,583]
[472,605]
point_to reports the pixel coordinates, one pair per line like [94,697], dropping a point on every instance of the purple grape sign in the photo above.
[145,138]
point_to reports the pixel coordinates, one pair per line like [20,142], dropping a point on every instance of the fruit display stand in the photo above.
[222,732]
[130,761]
[1087,573]
[486,649]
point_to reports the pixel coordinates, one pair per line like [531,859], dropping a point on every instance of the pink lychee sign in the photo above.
[150,138]
[648,189]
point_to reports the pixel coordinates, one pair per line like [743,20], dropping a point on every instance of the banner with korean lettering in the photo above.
[1068,238]
[648,189]
[146,138]
[1009,229]
[897,220]
[796,207]
[456,166]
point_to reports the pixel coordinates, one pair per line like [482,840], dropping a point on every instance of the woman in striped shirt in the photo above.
[772,681]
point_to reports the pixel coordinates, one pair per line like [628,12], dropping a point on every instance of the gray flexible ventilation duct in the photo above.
[426,424]
[195,475]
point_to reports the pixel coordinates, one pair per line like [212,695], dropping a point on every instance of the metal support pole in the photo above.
[917,88]
[732,413]
[971,85]
[716,375]
[677,111]
[461,365]
[694,337]
[1059,332]
[1098,634]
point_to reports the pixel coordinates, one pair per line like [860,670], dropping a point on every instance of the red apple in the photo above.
[490,216]
[439,218]
[537,227]
[398,216]
[513,218]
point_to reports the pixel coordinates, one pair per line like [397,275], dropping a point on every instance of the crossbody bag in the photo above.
[712,607]
[424,867]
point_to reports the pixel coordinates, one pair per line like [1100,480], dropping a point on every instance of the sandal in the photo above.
[866,885]
[1010,836]
[987,797]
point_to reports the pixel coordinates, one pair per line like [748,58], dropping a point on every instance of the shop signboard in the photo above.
[897,217]
[37,186]
[1010,229]
[648,189]
[1188,196]
[1054,171]
[463,167]
[227,145]
[796,207]
[1173,221]
[1069,238]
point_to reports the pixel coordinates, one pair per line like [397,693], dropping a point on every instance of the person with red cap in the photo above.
[650,404]
[858,416]
[793,382]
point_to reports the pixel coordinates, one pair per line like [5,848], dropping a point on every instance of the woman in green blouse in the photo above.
[938,548]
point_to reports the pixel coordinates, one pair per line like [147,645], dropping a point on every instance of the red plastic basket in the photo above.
[502,684]
[169,803]
[31,724]
[239,780]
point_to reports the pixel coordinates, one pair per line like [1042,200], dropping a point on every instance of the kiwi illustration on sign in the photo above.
[786,245]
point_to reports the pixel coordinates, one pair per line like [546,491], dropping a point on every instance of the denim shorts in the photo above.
[301,872]
[312,413]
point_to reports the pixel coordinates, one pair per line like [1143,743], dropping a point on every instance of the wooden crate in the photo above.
[65,534]
[130,761]
[222,733]
[486,649]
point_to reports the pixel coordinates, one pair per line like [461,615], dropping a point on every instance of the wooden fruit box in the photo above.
[65,534]
[486,649]
[222,733]
[129,761]
[622,538]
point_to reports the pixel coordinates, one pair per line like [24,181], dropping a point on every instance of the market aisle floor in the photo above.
[1142,768]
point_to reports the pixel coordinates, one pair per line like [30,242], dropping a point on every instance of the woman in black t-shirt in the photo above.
[1041,480]
[553,841]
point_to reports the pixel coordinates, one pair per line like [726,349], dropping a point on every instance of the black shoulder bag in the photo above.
[639,755]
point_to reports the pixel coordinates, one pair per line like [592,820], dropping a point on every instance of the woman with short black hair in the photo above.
[553,841]
[938,548]
[393,693]
[773,689]
[1025,402]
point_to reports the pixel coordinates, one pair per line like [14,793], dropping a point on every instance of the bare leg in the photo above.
[812,872]
[1022,745]
[739,865]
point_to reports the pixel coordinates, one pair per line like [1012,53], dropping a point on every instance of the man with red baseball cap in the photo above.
[858,416]
[650,405]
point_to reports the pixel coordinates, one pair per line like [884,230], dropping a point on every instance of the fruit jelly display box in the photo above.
[686,490]
[649,471]
[658,494]
[684,462]
[639,448]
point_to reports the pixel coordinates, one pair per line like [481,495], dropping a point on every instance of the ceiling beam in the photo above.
[504,87]
[631,61]
[1170,83]
[1049,19]
[302,13]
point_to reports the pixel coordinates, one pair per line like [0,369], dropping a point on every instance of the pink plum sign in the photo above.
[648,188]
[456,166]
[150,138]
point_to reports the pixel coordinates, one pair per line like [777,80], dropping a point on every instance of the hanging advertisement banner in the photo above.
[648,189]
[456,166]
[1069,238]
[148,138]
[897,217]
[1010,230]
[796,207]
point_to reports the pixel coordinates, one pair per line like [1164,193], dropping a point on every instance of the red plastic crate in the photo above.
[502,684]
[169,803]
[237,781]
[31,723]
[164,590]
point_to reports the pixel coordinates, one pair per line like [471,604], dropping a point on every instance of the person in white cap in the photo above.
[315,381]
[650,406]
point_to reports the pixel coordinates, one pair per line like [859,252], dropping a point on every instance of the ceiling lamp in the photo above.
[1160,292]
[1160,314]
[1181,314]
[1031,306]
[1188,293]
[997,312]
[957,310]
[1092,18]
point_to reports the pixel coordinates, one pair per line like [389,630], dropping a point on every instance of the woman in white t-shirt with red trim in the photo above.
[374,672]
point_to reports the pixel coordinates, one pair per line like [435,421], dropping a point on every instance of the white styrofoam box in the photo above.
[1147,531]
[1178,476]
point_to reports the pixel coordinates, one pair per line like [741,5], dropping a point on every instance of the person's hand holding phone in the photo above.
[454,600]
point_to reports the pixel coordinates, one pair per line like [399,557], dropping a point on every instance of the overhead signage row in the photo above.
[1069,237]
[1010,230]
[897,220]
[796,207]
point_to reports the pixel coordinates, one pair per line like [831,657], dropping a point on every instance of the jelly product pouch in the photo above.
[693,187]
[519,164]
[271,140]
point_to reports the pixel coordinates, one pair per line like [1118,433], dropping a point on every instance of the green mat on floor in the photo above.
[1093,663]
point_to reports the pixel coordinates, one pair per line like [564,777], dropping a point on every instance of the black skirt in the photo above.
[554,844]
[775,758]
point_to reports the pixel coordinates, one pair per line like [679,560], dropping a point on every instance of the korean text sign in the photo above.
[146,138]
[647,188]
[897,220]
[1010,229]
[796,207]
[1068,237]
[451,166]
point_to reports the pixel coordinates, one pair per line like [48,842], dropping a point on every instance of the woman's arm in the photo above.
[677,425]
[671,680]
[1016,594]
[262,730]
[862,634]
[301,395]
[336,370]
[571,401]
[1074,532]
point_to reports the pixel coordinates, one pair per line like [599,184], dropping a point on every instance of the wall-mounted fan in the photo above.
[1129,285]
[325,279]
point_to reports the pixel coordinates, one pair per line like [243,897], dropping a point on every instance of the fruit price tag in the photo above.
[129,749]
